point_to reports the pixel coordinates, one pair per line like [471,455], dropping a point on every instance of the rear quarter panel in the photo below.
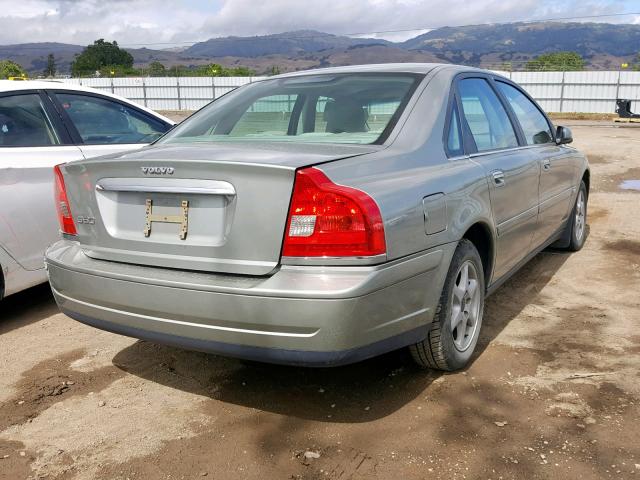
[414,166]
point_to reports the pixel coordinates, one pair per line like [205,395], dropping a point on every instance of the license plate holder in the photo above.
[182,219]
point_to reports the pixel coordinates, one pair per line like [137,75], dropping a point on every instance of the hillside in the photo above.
[603,45]
[33,56]
[288,43]
[531,38]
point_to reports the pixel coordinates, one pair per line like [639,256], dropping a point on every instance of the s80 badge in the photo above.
[86,220]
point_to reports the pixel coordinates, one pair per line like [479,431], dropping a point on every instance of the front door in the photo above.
[557,190]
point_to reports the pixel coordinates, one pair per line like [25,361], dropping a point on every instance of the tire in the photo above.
[577,224]
[447,348]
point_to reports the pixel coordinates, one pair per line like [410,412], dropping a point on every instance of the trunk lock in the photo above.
[182,219]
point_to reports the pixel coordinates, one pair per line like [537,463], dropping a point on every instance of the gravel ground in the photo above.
[553,392]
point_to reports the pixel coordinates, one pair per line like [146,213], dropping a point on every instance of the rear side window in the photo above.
[534,124]
[487,119]
[100,121]
[24,122]
[454,136]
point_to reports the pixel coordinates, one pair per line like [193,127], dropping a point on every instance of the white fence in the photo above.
[167,93]
[588,92]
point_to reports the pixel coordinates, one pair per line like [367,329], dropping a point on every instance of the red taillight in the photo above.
[62,204]
[329,220]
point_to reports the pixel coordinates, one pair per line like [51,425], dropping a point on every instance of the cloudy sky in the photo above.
[163,23]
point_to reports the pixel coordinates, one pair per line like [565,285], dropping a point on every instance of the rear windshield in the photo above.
[343,108]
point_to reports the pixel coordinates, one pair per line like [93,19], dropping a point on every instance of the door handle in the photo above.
[546,164]
[498,178]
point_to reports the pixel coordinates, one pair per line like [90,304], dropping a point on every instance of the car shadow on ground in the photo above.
[26,307]
[360,392]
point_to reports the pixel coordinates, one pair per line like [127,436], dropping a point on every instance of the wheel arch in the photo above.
[482,238]
[1,282]
[586,178]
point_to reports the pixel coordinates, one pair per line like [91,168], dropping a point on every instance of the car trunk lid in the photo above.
[222,210]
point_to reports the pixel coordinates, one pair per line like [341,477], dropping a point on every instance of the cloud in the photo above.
[157,22]
[359,16]
[81,22]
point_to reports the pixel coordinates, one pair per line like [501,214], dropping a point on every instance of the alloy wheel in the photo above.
[465,308]
[580,216]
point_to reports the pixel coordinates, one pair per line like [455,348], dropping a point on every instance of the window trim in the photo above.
[452,103]
[310,114]
[535,104]
[394,124]
[468,136]
[56,122]
[296,111]
[73,131]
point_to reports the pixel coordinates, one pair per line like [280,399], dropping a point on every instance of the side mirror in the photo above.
[563,135]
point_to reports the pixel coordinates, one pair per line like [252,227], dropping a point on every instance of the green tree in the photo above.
[557,61]
[10,68]
[50,69]
[241,72]
[274,70]
[210,70]
[217,70]
[118,71]
[213,70]
[178,71]
[156,69]
[99,56]
[506,66]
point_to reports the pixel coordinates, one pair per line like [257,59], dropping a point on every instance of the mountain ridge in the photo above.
[603,45]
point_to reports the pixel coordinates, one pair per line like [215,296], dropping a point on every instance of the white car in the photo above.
[42,124]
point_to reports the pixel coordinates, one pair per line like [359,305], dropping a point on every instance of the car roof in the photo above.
[20,85]
[421,68]
[17,85]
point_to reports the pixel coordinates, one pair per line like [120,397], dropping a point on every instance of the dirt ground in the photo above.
[553,392]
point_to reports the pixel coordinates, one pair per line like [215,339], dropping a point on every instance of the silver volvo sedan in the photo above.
[322,217]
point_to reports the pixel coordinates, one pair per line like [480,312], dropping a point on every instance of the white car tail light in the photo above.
[62,204]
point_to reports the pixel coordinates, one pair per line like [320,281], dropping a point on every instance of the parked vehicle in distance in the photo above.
[322,217]
[42,124]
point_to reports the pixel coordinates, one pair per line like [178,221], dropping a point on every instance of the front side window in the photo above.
[487,119]
[341,108]
[101,121]
[24,122]
[534,125]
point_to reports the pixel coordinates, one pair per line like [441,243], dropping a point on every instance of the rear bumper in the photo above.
[299,315]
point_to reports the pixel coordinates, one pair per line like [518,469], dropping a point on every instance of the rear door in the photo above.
[101,125]
[32,141]
[513,173]
[557,168]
